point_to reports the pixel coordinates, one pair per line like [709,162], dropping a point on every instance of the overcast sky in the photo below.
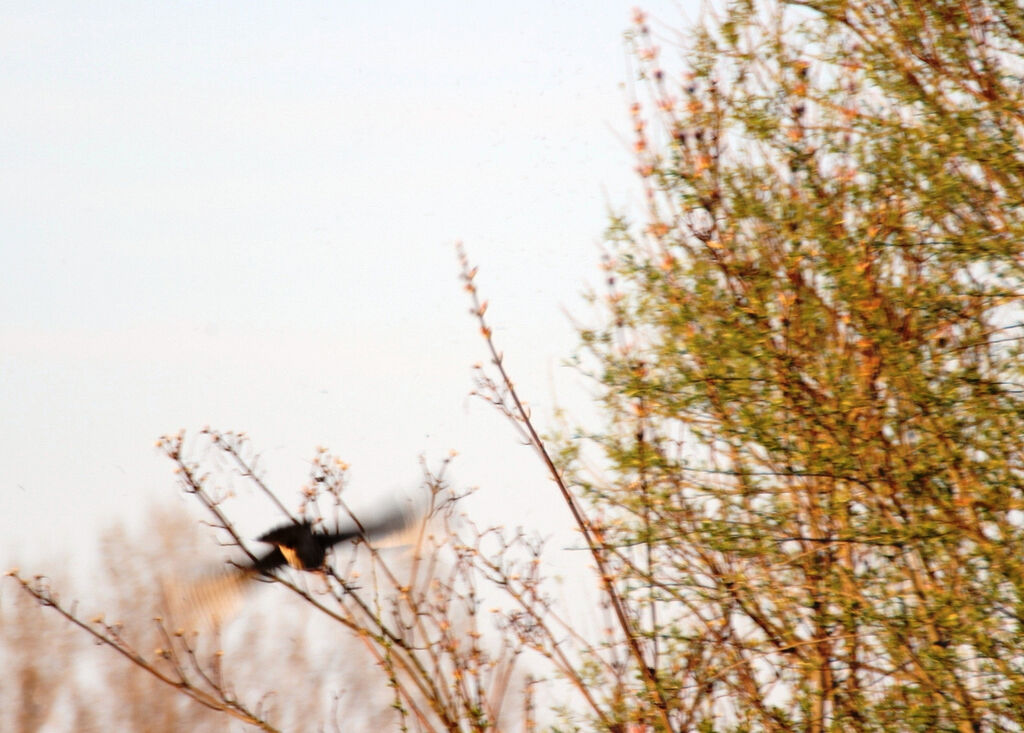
[243,214]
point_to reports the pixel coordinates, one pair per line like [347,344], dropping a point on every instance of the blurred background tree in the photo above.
[380,637]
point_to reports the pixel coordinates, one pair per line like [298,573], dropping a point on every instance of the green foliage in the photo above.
[811,368]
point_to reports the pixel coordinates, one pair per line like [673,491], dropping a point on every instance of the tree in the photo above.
[804,508]
[811,372]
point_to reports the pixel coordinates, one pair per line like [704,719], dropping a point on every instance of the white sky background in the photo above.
[242,215]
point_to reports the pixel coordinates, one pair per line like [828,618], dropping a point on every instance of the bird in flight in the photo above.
[298,544]
[303,547]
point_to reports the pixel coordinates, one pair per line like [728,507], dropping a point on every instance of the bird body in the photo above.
[300,546]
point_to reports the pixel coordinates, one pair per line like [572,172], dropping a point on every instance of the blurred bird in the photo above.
[305,548]
[208,601]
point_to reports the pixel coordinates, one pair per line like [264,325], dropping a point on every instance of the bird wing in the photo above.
[206,602]
[203,604]
[397,525]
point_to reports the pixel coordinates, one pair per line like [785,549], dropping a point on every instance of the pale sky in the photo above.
[243,214]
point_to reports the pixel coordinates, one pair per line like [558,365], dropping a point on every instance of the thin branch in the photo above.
[590,538]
